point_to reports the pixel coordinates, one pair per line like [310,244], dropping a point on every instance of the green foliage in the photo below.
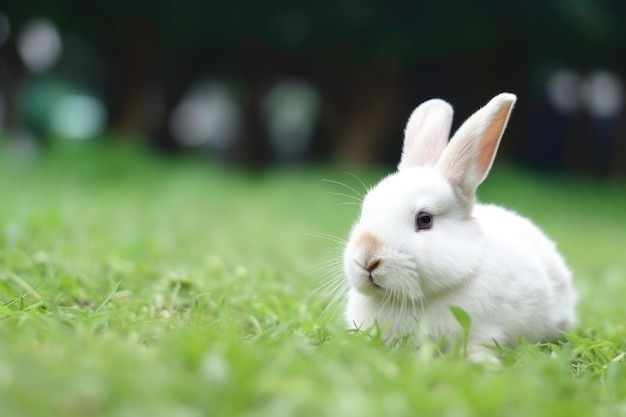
[135,286]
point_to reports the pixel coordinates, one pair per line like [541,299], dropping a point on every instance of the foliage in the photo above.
[376,30]
[131,286]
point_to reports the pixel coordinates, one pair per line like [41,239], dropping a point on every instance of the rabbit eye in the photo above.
[424,220]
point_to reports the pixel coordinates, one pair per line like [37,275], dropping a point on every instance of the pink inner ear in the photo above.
[426,134]
[491,138]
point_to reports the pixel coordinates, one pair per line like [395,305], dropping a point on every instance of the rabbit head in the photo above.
[415,236]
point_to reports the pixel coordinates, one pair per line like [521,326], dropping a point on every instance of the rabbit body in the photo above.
[422,245]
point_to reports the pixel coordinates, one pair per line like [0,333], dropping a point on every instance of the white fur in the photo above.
[494,264]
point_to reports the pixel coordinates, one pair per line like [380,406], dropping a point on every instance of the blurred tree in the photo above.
[11,74]
[372,60]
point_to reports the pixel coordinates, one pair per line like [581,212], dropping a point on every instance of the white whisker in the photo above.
[346,195]
[330,295]
[326,236]
[333,286]
[359,180]
[328,272]
[331,264]
[359,194]
[347,203]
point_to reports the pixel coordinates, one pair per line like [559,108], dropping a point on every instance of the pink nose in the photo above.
[372,265]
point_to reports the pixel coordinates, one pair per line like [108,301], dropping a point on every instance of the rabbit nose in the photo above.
[369,265]
[372,265]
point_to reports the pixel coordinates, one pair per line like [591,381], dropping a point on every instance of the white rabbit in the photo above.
[422,244]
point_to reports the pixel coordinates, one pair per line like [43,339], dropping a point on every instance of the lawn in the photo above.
[135,285]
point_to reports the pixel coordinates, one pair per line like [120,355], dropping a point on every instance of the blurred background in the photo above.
[258,83]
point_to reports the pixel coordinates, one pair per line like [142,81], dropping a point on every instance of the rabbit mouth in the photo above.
[366,273]
[377,274]
[370,280]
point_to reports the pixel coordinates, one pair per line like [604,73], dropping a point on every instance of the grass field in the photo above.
[135,286]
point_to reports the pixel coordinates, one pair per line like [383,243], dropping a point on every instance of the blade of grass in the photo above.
[107,297]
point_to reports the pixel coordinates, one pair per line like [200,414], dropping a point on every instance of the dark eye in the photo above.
[424,220]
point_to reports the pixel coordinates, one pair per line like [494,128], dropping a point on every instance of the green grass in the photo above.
[131,285]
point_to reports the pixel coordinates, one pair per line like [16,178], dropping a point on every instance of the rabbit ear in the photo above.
[426,134]
[467,159]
